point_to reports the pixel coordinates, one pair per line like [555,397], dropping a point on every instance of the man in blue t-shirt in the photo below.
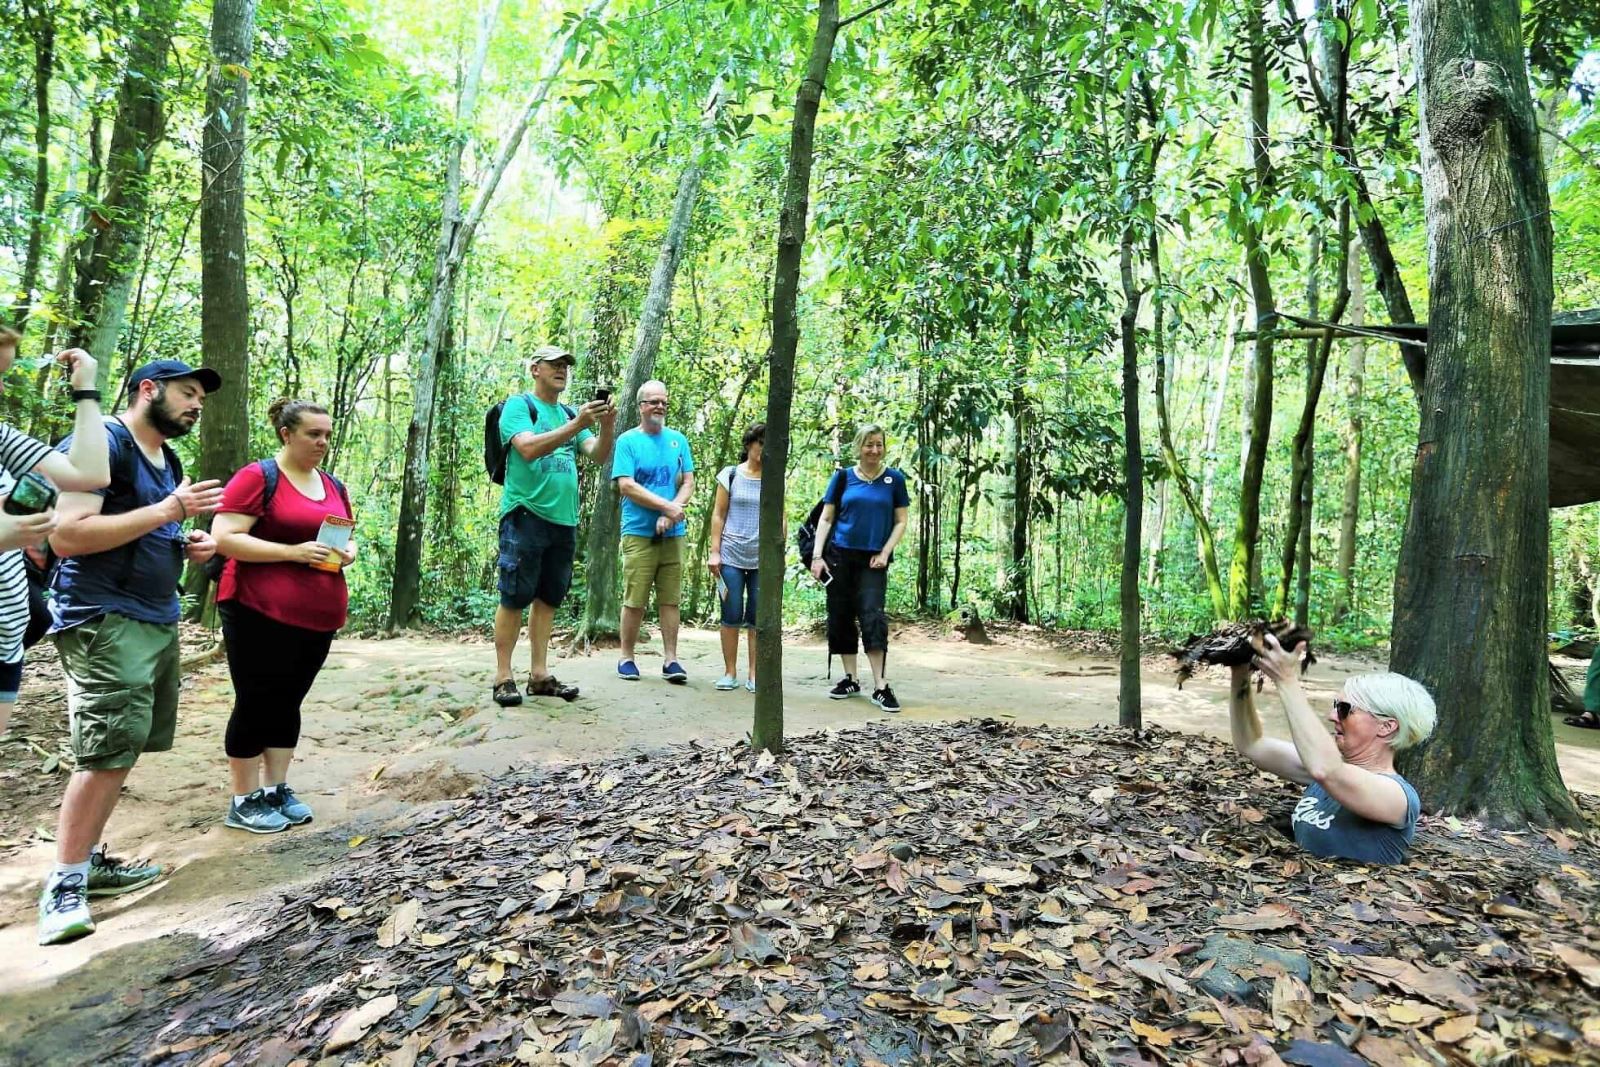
[654,473]
[116,626]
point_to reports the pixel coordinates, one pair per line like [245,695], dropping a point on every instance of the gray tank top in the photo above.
[741,533]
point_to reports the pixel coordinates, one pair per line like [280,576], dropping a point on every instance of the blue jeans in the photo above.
[740,607]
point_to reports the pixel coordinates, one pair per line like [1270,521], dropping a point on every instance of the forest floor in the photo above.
[397,731]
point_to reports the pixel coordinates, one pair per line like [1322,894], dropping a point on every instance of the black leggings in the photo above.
[272,665]
[856,594]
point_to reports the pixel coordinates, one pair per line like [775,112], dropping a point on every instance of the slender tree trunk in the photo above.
[767,731]
[1350,513]
[109,251]
[456,233]
[1470,613]
[1178,474]
[1213,430]
[1022,466]
[224,289]
[43,30]
[1247,532]
[1300,493]
[963,487]
[407,578]
[1129,712]
[605,531]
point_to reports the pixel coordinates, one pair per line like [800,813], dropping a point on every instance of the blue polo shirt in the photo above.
[866,511]
[655,461]
[139,579]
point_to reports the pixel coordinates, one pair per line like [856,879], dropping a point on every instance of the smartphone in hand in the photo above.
[602,395]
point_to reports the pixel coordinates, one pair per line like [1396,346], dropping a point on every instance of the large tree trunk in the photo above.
[110,245]
[766,732]
[1241,573]
[224,292]
[1350,512]
[1470,602]
[601,606]
[42,28]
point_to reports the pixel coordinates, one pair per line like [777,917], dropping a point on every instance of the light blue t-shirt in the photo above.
[656,461]
[1324,827]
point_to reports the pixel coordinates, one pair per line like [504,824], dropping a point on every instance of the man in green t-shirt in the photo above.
[539,515]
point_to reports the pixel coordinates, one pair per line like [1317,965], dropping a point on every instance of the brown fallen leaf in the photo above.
[1153,1034]
[354,1024]
[1266,917]
[400,924]
[1455,1030]
[1583,965]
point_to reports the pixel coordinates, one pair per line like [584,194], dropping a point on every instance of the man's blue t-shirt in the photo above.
[1324,827]
[655,461]
[866,511]
[139,579]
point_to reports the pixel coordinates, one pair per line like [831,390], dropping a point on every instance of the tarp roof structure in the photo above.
[1574,398]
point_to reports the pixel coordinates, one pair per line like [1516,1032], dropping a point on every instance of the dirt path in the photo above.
[395,726]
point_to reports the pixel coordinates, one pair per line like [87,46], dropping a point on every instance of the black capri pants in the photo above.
[855,597]
[272,665]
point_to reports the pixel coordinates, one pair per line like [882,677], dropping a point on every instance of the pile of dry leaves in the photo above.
[965,893]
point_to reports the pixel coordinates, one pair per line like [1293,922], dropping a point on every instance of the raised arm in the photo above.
[1270,754]
[531,446]
[87,463]
[1374,796]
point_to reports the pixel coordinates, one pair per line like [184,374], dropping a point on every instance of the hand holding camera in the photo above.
[80,366]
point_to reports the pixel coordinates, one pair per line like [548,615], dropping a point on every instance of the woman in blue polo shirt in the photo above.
[866,512]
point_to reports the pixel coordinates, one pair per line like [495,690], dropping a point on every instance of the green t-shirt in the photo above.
[548,486]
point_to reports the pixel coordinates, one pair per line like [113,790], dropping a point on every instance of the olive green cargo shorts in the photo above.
[647,563]
[122,689]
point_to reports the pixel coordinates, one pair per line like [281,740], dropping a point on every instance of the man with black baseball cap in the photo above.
[116,626]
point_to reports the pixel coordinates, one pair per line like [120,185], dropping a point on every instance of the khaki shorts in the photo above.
[646,563]
[122,689]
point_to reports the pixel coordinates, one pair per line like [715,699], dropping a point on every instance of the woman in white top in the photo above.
[82,469]
[733,555]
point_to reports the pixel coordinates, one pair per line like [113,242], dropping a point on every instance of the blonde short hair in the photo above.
[1400,699]
[866,430]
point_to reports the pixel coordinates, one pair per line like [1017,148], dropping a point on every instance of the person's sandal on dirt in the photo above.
[109,876]
[506,694]
[551,686]
[845,688]
[64,911]
[1586,721]
[253,814]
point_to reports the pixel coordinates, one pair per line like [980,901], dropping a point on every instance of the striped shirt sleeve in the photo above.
[19,453]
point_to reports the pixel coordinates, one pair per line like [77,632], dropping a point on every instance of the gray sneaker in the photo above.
[254,814]
[64,911]
[109,876]
[285,803]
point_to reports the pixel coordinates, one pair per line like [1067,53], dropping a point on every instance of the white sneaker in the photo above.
[64,911]
[727,682]
[750,684]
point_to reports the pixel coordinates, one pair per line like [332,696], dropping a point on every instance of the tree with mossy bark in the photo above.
[1470,592]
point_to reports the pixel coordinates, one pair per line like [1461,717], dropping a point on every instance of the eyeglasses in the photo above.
[1343,708]
[662,401]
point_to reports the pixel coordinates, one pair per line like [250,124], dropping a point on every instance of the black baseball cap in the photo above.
[162,370]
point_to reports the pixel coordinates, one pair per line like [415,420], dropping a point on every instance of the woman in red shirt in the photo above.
[279,609]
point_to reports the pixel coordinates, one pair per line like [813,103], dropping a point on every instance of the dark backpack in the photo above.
[805,538]
[42,571]
[269,479]
[494,449]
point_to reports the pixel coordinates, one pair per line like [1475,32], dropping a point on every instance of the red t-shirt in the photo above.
[294,594]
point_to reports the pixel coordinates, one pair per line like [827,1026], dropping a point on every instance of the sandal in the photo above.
[1587,721]
[550,686]
[506,695]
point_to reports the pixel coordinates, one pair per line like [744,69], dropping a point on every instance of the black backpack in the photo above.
[269,479]
[805,538]
[41,573]
[494,450]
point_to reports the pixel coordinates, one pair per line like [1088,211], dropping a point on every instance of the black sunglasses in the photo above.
[1343,708]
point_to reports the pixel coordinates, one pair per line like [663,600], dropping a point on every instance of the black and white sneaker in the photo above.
[847,687]
[884,698]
